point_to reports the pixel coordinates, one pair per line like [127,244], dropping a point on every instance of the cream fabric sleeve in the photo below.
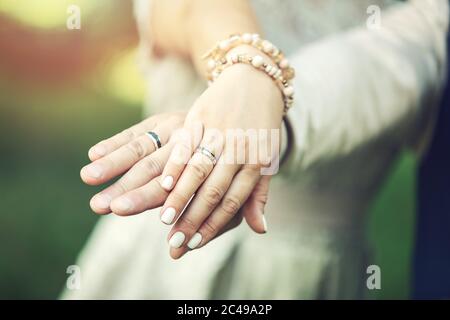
[357,85]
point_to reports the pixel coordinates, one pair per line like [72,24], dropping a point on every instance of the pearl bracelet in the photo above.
[219,51]
[257,62]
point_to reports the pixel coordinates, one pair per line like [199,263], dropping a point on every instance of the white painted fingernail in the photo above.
[102,201]
[177,239]
[264,224]
[94,171]
[167,182]
[168,215]
[195,241]
[124,204]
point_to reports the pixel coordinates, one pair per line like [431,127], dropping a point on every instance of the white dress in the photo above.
[362,94]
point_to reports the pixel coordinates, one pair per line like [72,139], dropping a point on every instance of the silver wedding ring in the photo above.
[155,139]
[207,153]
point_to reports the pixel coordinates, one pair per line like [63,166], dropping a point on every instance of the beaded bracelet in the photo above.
[282,73]
[219,51]
[257,62]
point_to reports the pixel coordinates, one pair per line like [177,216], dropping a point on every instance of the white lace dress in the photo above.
[362,95]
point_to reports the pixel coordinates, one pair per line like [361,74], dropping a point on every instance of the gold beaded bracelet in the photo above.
[282,73]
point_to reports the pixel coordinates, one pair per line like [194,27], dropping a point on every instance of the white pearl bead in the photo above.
[268,68]
[288,91]
[267,46]
[255,39]
[234,38]
[247,38]
[284,64]
[224,45]
[273,71]
[257,61]
[211,64]
[278,73]
[233,57]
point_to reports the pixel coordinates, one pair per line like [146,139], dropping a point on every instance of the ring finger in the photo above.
[126,156]
[195,173]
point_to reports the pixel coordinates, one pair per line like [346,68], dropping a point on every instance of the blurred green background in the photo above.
[63,90]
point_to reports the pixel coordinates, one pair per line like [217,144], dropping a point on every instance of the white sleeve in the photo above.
[354,86]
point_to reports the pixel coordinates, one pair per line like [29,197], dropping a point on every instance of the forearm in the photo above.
[190,27]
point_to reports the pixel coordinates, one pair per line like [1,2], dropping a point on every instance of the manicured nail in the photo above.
[94,171]
[264,223]
[98,150]
[167,182]
[102,201]
[168,215]
[124,204]
[195,241]
[177,239]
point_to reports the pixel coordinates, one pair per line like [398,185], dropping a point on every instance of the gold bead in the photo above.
[289,74]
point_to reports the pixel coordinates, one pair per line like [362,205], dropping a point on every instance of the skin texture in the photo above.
[241,98]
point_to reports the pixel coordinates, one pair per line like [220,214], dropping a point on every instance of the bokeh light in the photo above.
[45,14]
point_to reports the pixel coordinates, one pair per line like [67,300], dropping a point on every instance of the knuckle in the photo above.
[209,229]
[231,205]
[252,169]
[110,143]
[199,170]
[262,198]
[129,134]
[136,148]
[212,195]
[180,154]
[178,199]
[152,165]
[186,223]
[120,186]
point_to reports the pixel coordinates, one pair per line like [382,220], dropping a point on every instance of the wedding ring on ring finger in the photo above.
[155,139]
[207,153]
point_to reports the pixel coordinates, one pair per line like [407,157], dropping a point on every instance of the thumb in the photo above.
[253,210]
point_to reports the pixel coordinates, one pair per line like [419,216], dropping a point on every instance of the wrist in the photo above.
[253,83]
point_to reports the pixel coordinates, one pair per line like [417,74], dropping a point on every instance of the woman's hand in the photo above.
[242,98]
[133,152]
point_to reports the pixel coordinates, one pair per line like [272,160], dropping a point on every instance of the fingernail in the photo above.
[98,150]
[264,223]
[102,201]
[94,171]
[168,215]
[167,182]
[195,241]
[124,204]
[177,239]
